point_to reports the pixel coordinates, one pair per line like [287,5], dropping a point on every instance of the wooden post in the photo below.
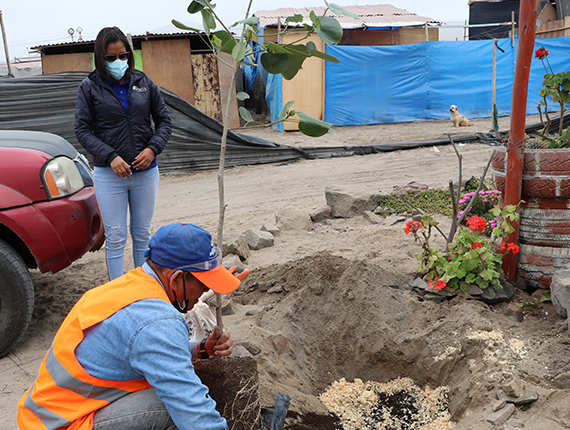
[427,34]
[515,146]
[513,27]
[5,45]
[465,31]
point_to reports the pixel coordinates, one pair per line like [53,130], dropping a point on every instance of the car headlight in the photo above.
[61,177]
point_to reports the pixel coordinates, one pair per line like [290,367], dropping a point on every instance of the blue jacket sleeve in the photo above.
[161,352]
[161,118]
[84,127]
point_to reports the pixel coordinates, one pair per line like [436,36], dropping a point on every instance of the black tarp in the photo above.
[47,103]
[492,12]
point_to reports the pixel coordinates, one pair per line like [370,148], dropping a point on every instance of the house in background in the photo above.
[376,25]
[180,62]
[553,18]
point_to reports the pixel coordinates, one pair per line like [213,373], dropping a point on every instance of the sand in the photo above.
[342,307]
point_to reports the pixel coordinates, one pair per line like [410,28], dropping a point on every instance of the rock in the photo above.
[511,309]
[252,312]
[321,214]
[410,186]
[514,388]
[418,283]
[240,351]
[499,417]
[231,260]
[346,204]
[416,215]
[251,347]
[275,290]
[560,290]
[524,399]
[394,219]
[372,218]
[499,404]
[257,239]
[271,228]
[227,309]
[237,245]
[562,380]
[474,290]
[293,219]
[274,418]
[513,425]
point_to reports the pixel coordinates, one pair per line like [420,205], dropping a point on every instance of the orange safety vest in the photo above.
[64,395]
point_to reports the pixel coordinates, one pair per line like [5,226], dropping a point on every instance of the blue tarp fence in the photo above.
[418,82]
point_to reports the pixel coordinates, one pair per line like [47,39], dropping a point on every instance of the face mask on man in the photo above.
[117,68]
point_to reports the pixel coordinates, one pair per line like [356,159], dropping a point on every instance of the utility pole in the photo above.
[5,45]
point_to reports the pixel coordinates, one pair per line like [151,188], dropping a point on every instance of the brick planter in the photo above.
[544,234]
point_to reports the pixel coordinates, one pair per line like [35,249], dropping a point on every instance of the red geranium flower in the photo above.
[503,246]
[541,53]
[439,285]
[476,245]
[513,247]
[412,226]
[476,223]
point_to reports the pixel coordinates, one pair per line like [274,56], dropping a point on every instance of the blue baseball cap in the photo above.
[190,248]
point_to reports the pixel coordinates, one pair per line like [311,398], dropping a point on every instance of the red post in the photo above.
[515,146]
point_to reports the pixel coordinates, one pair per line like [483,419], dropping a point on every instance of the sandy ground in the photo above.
[342,307]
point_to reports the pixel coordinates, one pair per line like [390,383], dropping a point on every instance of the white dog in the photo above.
[457,119]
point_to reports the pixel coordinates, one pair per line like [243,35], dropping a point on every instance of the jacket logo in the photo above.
[139,89]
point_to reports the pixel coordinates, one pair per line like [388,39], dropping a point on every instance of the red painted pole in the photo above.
[515,146]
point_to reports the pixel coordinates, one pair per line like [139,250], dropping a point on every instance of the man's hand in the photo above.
[143,160]
[120,167]
[217,345]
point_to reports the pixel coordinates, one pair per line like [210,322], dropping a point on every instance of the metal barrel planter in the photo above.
[544,232]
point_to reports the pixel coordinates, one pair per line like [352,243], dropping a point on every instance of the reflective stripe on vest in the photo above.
[64,394]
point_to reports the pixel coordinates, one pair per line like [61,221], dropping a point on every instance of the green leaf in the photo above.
[252,20]
[181,26]
[323,56]
[295,18]
[238,52]
[294,64]
[245,114]
[314,19]
[242,96]
[276,48]
[339,10]
[329,30]
[286,108]
[228,41]
[195,7]
[252,35]
[274,63]
[311,126]
[470,278]
[208,20]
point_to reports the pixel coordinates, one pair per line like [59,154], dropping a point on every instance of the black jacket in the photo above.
[103,128]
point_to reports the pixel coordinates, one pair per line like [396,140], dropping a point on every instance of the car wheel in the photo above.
[16,298]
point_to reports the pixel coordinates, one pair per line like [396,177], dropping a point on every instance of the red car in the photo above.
[49,218]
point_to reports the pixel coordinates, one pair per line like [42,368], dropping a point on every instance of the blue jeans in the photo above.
[141,410]
[115,195]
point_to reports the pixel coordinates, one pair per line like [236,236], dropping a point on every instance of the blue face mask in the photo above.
[117,68]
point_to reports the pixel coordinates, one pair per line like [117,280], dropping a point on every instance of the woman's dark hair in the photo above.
[106,36]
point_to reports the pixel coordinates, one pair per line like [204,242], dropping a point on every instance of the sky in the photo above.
[30,23]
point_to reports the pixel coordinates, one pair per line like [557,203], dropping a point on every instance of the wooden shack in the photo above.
[180,62]
[377,25]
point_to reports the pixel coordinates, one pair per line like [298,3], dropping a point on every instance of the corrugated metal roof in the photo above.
[134,37]
[379,15]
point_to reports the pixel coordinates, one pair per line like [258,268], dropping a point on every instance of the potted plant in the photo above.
[544,234]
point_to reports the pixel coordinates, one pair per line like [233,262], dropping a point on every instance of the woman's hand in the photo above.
[143,160]
[120,167]
[217,345]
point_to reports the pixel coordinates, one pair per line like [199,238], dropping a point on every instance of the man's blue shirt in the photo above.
[148,340]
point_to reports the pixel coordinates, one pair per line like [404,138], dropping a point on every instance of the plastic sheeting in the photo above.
[47,103]
[418,82]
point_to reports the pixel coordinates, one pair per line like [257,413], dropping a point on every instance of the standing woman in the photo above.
[115,104]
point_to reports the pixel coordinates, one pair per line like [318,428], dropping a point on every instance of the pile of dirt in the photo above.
[323,318]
